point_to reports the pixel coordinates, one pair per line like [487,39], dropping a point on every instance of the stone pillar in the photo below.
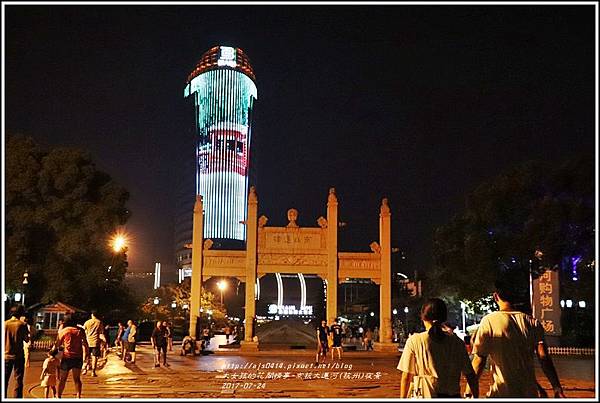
[385,286]
[251,257]
[332,255]
[197,242]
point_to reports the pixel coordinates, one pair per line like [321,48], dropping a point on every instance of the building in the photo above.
[223,92]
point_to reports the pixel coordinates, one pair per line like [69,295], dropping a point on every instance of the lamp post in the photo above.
[222,285]
[25,283]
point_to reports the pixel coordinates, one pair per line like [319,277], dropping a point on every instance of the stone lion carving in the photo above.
[292,215]
[322,221]
[375,247]
[262,221]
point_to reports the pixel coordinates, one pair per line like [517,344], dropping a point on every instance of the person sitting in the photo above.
[188,346]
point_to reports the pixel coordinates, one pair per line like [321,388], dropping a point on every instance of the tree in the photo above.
[180,294]
[60,213]
[534,217]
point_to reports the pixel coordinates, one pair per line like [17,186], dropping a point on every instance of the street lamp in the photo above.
[25,283]
[156,301]
[118,242]
[222,285]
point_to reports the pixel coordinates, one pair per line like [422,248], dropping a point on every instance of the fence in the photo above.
[571,351]
[42,344]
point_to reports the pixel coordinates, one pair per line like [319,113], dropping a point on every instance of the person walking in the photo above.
[94,332]
[27,344]
[336,335]
[119,343]
[49,373]
[75,353]
[15,334]
[169,326]
[159,344]
[510,338]
[368,339]
[322,343]
[434,359]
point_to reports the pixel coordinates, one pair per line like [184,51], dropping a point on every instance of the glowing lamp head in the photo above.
[222,285]
[118,242]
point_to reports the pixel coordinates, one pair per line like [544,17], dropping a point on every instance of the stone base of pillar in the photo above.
[385,347]
[248,346]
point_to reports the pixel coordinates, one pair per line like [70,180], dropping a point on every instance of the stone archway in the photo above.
[294,249]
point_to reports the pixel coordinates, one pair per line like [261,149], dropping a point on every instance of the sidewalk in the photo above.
[213,376]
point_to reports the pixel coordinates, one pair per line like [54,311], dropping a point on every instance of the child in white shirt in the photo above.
[49,372]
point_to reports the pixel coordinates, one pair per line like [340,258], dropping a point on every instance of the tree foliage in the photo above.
[60,213]
[537,206]
[180,294]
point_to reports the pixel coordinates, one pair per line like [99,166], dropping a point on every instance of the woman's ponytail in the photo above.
[436,312]
[436,332]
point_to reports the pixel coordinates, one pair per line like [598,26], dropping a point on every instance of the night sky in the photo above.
[419,104]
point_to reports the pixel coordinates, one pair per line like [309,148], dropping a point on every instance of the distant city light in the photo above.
[562,303]
[395,311]
[582,304]
[405,309]
[18,297]
[156,301]
[569,303]
[372,313]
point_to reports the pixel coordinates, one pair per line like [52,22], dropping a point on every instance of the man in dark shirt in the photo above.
[15,333]
[322,335]
[159,343]
[336,334]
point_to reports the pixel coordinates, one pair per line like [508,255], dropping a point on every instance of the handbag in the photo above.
[423,387]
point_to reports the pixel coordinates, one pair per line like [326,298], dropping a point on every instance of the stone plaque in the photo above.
[292,239]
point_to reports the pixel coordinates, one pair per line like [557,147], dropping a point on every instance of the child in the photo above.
[48,375]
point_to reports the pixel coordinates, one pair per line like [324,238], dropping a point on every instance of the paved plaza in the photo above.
[272,374]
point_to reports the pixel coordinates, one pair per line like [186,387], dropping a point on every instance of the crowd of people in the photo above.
[77,349]
[431,364]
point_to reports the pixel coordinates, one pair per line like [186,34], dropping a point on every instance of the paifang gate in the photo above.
[294,249]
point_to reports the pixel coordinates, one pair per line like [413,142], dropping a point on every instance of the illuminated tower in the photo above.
[224,91]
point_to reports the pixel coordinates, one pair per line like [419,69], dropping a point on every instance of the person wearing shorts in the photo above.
[131,333]
[336,334]
[159,344]
[75,352]
[94,332]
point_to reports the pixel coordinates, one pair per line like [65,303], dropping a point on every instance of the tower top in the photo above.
[219,57]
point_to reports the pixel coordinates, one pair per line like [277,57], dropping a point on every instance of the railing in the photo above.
[571,351]
[42,344]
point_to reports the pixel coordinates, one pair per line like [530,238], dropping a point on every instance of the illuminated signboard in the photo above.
[546,306]
[290,310]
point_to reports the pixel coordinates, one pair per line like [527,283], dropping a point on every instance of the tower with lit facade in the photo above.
[223,89]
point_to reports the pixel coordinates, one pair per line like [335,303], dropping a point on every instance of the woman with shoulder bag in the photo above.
[432,361]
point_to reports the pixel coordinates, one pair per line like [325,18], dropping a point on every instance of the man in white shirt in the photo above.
[94,331]
[510,338]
